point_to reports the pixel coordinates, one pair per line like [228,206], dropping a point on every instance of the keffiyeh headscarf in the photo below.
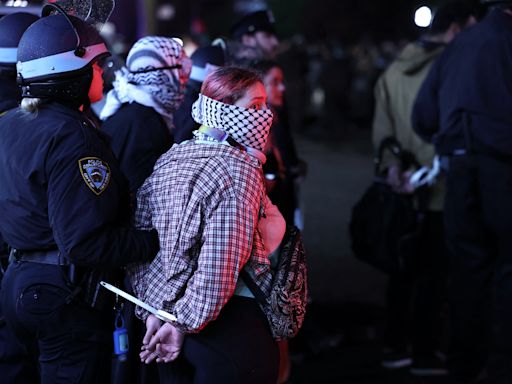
[143,82]
[249,127]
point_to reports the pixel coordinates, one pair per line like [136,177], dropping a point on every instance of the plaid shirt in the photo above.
[205,201]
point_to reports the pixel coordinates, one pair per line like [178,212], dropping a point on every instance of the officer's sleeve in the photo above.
[84,201]
[425,113]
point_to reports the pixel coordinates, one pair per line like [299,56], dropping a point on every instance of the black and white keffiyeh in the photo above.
[159,89]
[249,127]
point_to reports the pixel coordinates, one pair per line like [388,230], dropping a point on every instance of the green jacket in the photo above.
[395,92]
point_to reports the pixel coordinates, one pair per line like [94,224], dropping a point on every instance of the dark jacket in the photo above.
[62,188]
[138,137]
[184,124]
[8,100]
[8,94]
[464,103]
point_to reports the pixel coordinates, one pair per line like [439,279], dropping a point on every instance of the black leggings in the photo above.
[235,348]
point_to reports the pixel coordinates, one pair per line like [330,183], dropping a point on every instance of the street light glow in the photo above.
[423,16]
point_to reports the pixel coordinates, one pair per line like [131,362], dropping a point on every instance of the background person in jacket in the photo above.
[215,221]
[463,107]
[14,363]
[415,297]
[138,113]
[65,208]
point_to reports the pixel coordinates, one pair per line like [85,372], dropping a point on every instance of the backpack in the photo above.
[385,227]
[285,306]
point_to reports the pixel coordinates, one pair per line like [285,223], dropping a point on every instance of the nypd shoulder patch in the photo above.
[95,172]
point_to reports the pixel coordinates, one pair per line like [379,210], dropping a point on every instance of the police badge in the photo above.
[96,173]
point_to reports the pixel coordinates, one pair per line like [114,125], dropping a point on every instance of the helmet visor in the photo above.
[94,12]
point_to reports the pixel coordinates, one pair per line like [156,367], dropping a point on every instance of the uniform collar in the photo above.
[67,110]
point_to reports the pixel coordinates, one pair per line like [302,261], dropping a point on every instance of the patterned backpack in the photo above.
[285,306]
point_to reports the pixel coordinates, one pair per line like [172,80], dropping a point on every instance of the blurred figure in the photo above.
[15,363]
[257,36]
[463,107]
[280,183]
[259,43]
[335,79]
[415,295]
[204,61]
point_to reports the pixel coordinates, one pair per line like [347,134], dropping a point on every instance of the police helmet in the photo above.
[206,60]
[12,28]
[262,20]
[55,58]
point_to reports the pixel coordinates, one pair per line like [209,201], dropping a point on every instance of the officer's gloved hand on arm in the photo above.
[161,342]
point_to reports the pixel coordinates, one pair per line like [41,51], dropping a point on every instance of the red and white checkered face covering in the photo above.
[249,127]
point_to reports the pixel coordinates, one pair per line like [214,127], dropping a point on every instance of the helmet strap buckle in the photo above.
[80,51]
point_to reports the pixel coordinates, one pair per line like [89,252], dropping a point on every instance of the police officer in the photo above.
[464,108]
[256,30]
[64,205]
[14,360]
[11,28]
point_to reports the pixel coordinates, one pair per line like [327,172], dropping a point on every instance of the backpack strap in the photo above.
[253,287]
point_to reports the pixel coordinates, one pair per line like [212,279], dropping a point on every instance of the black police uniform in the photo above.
[464,108]
[138,137]
[8,89]
[63,201]
[15,363]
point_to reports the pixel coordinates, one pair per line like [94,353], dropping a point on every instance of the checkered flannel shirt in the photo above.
[205,201]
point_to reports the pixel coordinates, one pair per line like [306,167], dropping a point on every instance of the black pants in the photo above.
[236,348]
[70,341]
[16,366]
[478,218]
[415,296]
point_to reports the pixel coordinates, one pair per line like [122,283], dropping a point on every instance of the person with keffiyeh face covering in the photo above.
[138,117]
[138,113]
[206,198]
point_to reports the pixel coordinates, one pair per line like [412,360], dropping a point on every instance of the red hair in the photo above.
[229,84]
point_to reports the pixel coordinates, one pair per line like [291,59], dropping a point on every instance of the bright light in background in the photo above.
[166,12]
[16,3]
[423,16]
